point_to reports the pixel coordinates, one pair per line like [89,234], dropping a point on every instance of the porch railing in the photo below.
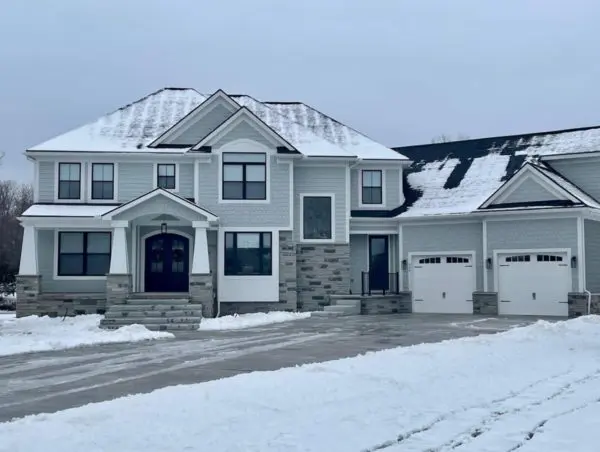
[380,284]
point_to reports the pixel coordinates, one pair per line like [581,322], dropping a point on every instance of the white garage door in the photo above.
[443,284]
[533,284]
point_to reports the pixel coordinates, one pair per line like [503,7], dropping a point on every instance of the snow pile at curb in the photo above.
[531,389]
[32,333]
[238,322]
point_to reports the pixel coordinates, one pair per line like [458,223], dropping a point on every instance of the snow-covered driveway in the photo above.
[535,388]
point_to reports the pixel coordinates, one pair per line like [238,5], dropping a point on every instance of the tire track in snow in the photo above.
[403,437]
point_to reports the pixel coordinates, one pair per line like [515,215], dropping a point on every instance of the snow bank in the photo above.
[532,389]
[238,322]
[33,334]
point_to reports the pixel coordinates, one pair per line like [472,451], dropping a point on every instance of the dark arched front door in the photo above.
[167,263]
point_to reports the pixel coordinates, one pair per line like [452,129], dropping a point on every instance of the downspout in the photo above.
[589,301]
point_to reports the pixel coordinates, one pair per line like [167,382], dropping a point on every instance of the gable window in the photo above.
[69,181]
[317,217]
[372,187]
[103,181]
[248,253]
[166,176]
[244,176]
[83,253]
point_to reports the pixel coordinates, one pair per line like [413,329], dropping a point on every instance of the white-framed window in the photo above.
[166,176]
[68,180]
[371,190]
[244,176]
[82,254]
[317,217]
[102,182]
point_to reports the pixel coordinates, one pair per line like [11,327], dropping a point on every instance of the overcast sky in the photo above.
[400,71]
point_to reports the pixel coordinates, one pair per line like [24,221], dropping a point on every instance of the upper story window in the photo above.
[166,176]
[103,181]
[69,181]
[372,187]
[244,176]
[317,217]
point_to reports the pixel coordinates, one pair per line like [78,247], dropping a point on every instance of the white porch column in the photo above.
[119,260]
[29,258]
[200,263]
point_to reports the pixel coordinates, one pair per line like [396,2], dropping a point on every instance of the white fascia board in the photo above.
[581,155]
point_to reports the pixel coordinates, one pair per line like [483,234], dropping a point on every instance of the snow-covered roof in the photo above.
[457,177]
[66,210]
[133,127]
[130,128]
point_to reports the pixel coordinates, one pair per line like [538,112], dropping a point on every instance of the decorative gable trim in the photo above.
[160,192]
[529,172]
[192,117]
[244,114]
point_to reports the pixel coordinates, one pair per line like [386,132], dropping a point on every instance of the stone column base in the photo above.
[578,304]
[118,289]
[28,293]
[485,303]
[201,292]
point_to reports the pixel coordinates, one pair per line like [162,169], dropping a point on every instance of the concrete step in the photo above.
[155,295]
[156,307]
[110,314]
[161,327]
[157,301]
[325,314]
[151,321]
[343,310]
[346,302]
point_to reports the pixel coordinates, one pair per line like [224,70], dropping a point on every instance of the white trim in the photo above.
[498,252]
[155,175]
[29,260]
[134,256]
[401,187]
[581,277]
[348,195]
[197,182]
[64,222]
[431,222]
[324,162]
[383,189]
[582,155]
[142,266]
[202,110]
[159,192]
[413,254]
[401,271]
[36,181]
[485,256]
[291,201]
[525,173]
[246,146]
[375,232]
[243,114]
[82,181]
[55,276]
[90,182]
[317,195]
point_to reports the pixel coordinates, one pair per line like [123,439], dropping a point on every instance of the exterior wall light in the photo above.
[163,228]
[488,263]
[404,264]
[574,262]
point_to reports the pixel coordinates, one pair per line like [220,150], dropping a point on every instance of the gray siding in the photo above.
[444,238]
[392,188]
[529,191]
[47,263]
[358,260]
[583,173]
[135,179]
[246,131]
[315,179]
[205,125]
[592,255]
[46,181]
[276,213]
[532,234]
[186,180]
[157,206]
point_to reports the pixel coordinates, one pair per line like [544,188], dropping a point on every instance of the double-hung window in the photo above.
[166,176]
[317,217]
[244,176]
[103,181]
[248,253]
[83,253]
[372,187]
[69,181]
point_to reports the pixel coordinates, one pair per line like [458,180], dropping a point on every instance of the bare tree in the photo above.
[14,200]
[444,138]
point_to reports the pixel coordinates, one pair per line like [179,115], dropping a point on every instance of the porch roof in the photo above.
[67,210]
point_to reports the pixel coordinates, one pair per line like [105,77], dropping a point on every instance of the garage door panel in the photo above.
[534,284]
[443,284]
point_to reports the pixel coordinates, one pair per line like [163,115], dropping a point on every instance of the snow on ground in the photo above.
[34,334]
[535,388]
[238,322]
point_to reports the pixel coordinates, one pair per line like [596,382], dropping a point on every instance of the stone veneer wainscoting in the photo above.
[322,270]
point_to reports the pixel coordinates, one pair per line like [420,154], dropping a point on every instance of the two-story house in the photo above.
[237,205]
